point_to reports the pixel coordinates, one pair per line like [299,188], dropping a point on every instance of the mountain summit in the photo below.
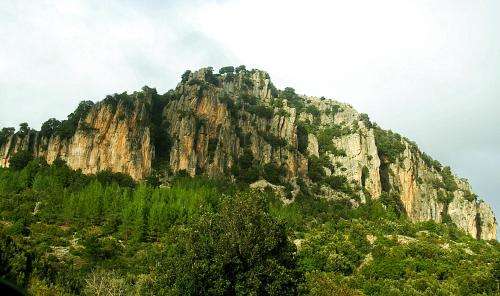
[237,125]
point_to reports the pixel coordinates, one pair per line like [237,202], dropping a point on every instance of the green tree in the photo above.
[24,129]
[5,134]
[49,127]
[239,250]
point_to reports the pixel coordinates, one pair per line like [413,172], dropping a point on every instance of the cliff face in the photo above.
[238,125]
[108,138]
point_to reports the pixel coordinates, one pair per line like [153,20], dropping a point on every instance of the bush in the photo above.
[261,111]
[338,183]
[274,141]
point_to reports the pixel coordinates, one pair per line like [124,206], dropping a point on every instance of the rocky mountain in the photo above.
[237,125]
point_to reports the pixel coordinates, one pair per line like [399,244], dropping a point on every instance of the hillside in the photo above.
[227,186]
[237,125]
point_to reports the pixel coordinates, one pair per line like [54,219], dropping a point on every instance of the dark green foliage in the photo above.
[210,77]
[239,250]
[293,99]
[325,137]
[469,196]
[273,173]
[448,179]
[240,68]
[313,110]
[185,76]
[24,130]
[159,127]
[338,183]
[389,145]
[212,147]
[227,69]
[68,127]
[274,141]
[20,159]
[302,138]
[108,177]
[393,203]
[431,162]
[246,169]
[315,170]
[364,174]
[5,134]
[261,111]
[444,197]
[246,82]
[50,127]
[366,120]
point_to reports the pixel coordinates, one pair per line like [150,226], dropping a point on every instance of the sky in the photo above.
[429,70]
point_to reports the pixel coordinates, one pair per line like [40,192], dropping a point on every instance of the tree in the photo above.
[185,76]
[20,159]
[5,134]
[227,69]
[49,127]
[24,129]
[239,250]
[240,68]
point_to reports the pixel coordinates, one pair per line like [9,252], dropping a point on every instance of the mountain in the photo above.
[237,125]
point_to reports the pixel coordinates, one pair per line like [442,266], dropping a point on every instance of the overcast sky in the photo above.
[429,70]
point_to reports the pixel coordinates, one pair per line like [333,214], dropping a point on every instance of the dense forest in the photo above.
[67,233]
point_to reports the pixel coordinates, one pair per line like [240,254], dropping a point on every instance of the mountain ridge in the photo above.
[237,125]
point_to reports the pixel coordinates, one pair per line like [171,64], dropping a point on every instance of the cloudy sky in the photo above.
[429,70]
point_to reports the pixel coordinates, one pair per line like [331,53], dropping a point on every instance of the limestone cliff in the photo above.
[239,126]
[115,138]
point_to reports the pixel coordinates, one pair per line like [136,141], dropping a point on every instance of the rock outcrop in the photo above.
[239,126]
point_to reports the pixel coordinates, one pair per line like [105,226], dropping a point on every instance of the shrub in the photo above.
[261,111]
[274,141]
[338,183]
